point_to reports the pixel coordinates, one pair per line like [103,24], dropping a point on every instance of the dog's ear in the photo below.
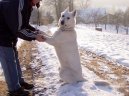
[74,13]
[67,9]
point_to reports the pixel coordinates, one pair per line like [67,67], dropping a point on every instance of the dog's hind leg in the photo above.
[68,76]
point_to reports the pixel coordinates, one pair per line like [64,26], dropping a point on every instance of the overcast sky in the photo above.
[109,3]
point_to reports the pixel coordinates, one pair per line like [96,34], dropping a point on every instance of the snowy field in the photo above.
[112,46]
[109,28]
[50,84]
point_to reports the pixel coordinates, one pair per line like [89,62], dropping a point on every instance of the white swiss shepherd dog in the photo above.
[65,42]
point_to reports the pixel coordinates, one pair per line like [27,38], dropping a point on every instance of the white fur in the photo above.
[65,42]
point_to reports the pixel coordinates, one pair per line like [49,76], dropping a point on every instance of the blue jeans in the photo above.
[11,67]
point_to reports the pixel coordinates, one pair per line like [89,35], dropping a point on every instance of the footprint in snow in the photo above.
[102,85]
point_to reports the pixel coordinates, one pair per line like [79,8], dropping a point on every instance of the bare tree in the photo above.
[83,15]
[55,5]
[59,5]
[126,20]
[105,21]
[35,16]
[96,17]
[83,4]
[118,19]
[58,8]
[70,4]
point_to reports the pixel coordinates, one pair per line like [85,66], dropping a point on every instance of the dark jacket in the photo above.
[9,23]
[26,13]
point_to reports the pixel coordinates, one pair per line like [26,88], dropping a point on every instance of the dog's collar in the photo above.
[66,29]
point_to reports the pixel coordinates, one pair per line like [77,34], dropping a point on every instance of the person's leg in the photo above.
[8,62]
[20,76]
[21,80]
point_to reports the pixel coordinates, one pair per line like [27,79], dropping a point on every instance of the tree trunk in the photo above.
[58,7]
[117,29]
[127,31]
[105,26]
[71,5]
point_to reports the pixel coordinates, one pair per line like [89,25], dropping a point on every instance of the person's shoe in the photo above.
[27,86]
[19,92]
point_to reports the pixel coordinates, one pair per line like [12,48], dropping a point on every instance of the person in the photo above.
[12,26]
[26,13]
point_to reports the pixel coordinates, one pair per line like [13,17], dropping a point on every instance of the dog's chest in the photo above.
[66,36]
[67,43]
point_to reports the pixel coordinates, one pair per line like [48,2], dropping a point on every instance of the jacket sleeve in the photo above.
[27,35]
[31,28]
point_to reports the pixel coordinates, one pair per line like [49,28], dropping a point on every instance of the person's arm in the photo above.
[31,28]
[26,18]
[27,35]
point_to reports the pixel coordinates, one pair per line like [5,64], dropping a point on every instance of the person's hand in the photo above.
[40,38]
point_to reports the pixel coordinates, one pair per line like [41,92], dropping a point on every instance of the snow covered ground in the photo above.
[112,46]
[109,28]
[19,43]
[50,84]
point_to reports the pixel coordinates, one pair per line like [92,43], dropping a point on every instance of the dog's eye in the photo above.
[63,16]
[68,18]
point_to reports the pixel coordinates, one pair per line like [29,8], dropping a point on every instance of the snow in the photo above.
[19,43]
[109,28]
[112,46]
[52,86]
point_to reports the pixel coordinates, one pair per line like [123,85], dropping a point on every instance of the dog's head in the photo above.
[67,19]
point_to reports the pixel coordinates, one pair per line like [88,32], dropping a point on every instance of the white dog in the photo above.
[65,42]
